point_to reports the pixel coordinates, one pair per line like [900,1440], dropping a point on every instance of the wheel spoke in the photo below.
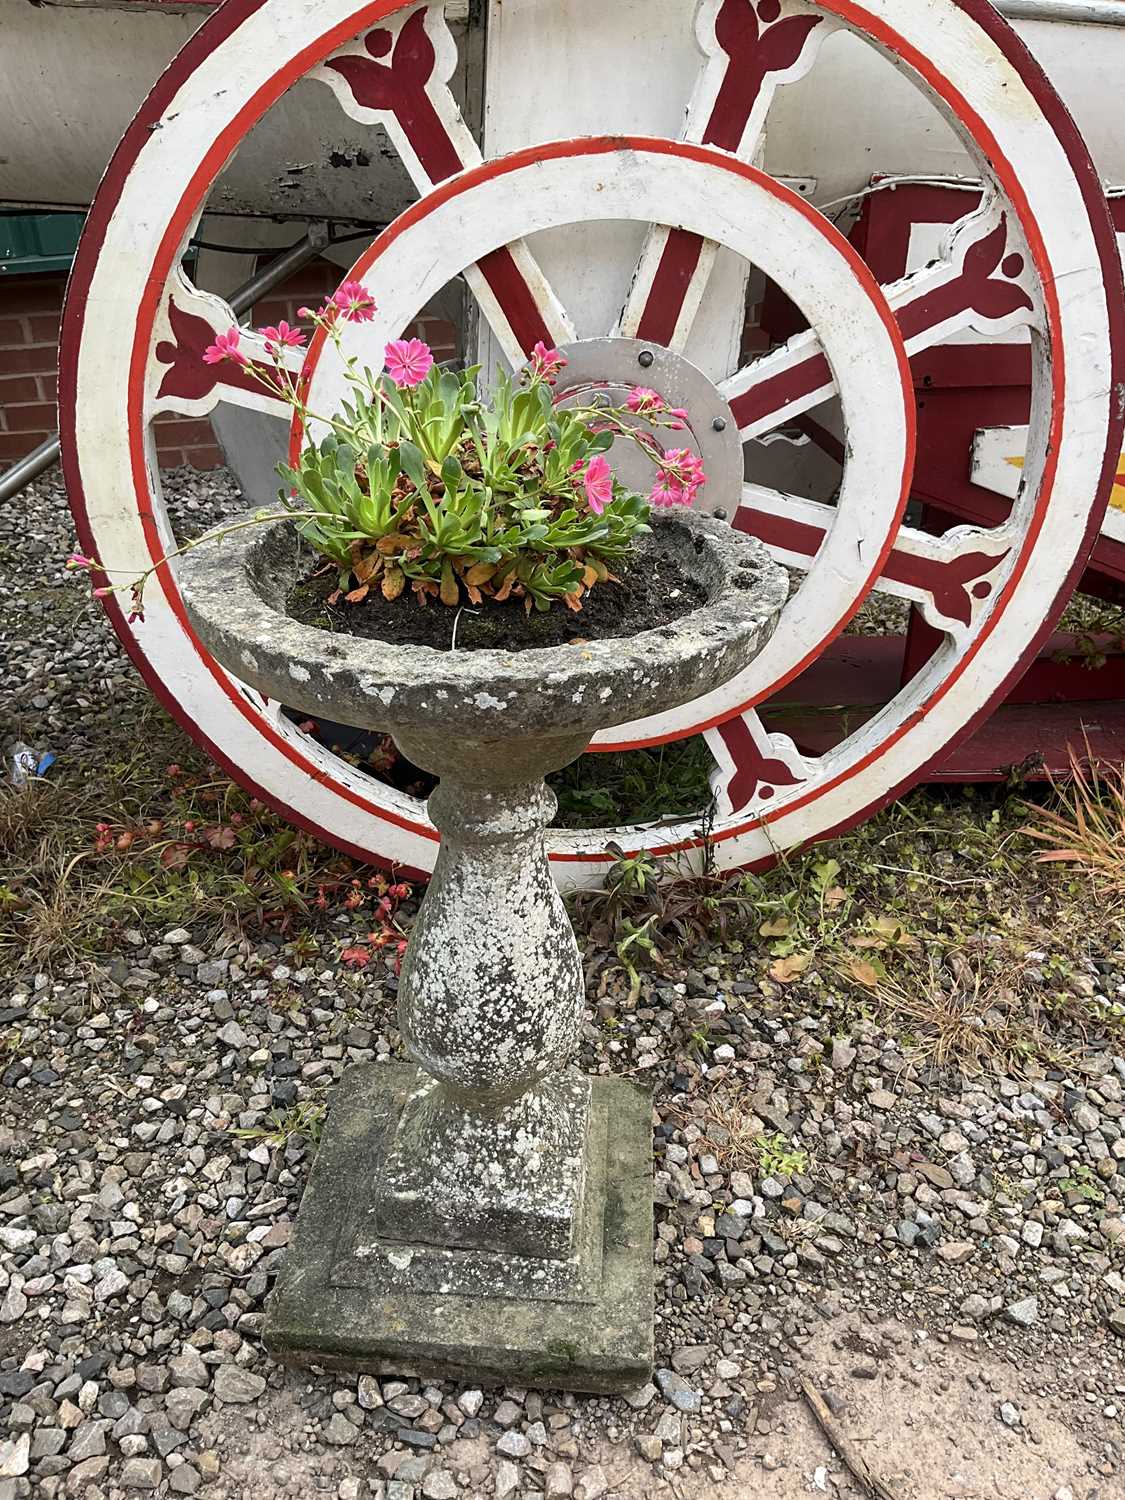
[397,76]
[180,379]
[750,48]
[949,577]
[980,285]
[752,765]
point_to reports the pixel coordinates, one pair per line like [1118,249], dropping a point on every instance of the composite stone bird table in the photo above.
[485,1211]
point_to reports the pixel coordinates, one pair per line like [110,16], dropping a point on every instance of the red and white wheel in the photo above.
[1038,253]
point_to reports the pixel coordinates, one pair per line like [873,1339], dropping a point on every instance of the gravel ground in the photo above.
[940,1251]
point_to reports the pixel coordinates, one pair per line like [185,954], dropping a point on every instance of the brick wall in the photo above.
[30,309]
[29,333]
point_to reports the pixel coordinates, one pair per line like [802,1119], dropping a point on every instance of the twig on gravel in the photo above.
[844,1446]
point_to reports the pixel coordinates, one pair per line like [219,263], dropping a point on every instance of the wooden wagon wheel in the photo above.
[1039,253]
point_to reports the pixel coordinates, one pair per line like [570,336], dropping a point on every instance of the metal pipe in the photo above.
[25,469]
[1090,12]
[40,459]
[281,266]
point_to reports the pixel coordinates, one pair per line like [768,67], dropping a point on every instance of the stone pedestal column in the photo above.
[490,1149]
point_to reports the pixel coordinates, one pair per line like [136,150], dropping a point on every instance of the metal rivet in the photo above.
[645,358]
[719,425]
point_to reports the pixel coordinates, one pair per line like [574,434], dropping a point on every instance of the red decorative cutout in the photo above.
[399,88]
[975,290]
[755,773]
[946,580]
[754,55]
[189,378]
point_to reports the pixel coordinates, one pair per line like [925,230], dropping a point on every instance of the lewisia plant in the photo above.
[423,484]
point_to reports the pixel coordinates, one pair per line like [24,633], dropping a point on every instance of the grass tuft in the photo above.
[966,1012]
[1086,825]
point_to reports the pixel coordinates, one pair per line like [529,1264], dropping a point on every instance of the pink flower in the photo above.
[355,302]
[666,491]
[78,560]
[680,416]
[282,337]
[224,347]
[643,400]
[598,481]
[102,593]
[546,363]
[408,361]
[681,478]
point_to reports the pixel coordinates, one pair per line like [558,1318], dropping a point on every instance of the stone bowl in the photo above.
[235,593]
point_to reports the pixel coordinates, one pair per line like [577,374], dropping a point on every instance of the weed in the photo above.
[305,1119]
[150,837]
[617,788]
[1083,1184]
[733,1135]
[651,909]
[777,1159]
[1086,825]
[962,1014]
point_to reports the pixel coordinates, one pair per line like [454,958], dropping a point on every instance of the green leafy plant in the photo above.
[650,907]
[306,1119]
[1083,1184]
[776,1158]
[421,482]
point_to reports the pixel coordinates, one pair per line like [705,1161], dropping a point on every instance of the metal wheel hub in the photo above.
[608,369]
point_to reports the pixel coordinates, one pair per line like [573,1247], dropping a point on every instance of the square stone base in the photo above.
[349,1300]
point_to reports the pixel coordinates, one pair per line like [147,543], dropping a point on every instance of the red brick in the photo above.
[31,294]
[189,432]
[274,310]
[44,328]
[18,388]
[34,359]
[40,417]
[12,331]
[317,274]
[203,458]
[14,445]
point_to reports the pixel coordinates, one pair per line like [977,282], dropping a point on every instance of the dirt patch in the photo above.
[651,592]
[934,1420]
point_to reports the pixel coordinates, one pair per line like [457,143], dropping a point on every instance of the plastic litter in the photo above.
[29,764]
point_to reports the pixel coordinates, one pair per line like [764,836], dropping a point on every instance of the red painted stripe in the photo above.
[518,304]
[679,262]
[783,532]
[779,391]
